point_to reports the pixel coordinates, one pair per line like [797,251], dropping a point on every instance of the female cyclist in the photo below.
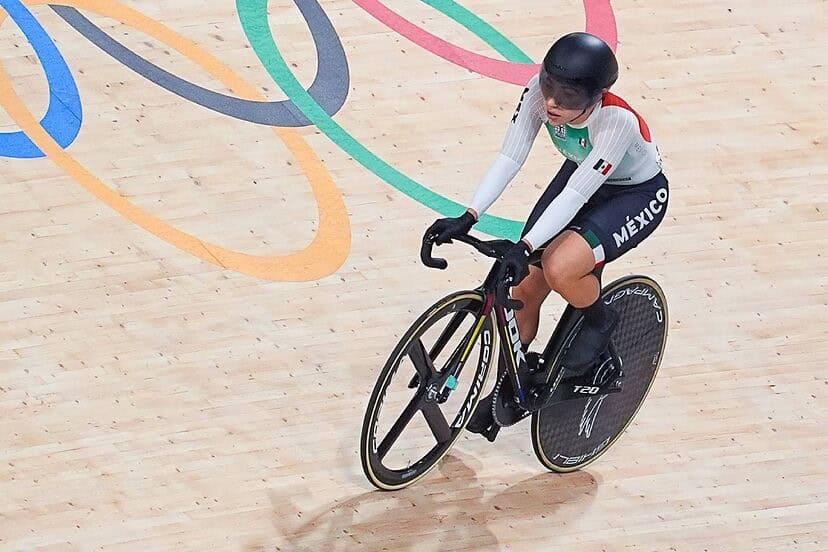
[607,197]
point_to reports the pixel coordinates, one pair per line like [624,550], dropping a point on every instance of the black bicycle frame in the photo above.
[497,299]
[511,350]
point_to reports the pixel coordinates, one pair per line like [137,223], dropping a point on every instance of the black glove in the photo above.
[515,263]
[443,230]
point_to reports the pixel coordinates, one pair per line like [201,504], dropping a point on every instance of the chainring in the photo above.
[505,409]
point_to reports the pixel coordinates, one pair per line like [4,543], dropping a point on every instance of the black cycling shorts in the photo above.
[615,219]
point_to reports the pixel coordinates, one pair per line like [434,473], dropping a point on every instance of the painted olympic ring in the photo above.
[323,256]
[64,116]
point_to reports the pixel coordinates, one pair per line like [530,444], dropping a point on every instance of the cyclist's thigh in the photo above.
[622,218]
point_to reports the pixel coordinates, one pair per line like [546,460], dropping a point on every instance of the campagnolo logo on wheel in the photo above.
[573,460]
[645,291]
[641,220]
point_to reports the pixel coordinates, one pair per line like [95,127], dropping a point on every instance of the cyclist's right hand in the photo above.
[444,229]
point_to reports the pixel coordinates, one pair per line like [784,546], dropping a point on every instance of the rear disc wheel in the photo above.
[570,434]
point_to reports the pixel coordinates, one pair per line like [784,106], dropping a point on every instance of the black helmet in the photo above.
[576,69]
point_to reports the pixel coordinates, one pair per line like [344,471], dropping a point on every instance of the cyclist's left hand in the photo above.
[515,263]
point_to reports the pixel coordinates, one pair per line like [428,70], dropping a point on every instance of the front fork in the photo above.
[448,383]
[440,389]
[511,351]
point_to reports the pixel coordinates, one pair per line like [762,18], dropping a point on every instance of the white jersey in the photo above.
[613,146]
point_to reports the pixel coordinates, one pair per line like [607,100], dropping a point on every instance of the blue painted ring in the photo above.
[64,116]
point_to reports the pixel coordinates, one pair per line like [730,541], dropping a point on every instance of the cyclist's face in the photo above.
[563,102]
[559,115]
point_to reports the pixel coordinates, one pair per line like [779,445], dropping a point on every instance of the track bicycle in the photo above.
[432,381]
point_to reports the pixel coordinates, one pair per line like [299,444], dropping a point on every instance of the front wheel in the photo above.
[569,435]
[427,391]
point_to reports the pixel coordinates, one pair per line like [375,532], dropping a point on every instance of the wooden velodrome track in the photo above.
[200,280]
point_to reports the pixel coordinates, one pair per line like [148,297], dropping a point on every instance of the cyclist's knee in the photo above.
[523,293]
[566,263]
[533,289]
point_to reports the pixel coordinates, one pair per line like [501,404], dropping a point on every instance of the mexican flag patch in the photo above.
[603,167]
[597,248]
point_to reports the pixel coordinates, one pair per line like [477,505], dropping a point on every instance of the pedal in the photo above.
[619,364]
[603,378]
[491,433]
[615,387]
[610,380]
[538,396]
[535,362]
[617,384]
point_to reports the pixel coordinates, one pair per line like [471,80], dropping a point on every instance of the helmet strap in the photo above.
[591,104]
[578,115]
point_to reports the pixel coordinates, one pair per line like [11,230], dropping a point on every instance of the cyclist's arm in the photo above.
[523,128]
[610,143]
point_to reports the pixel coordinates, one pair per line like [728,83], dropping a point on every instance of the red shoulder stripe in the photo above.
[610,99]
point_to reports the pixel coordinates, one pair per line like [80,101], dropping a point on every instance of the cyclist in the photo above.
[607,197]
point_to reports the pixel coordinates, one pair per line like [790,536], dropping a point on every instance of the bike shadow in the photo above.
[451,506]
